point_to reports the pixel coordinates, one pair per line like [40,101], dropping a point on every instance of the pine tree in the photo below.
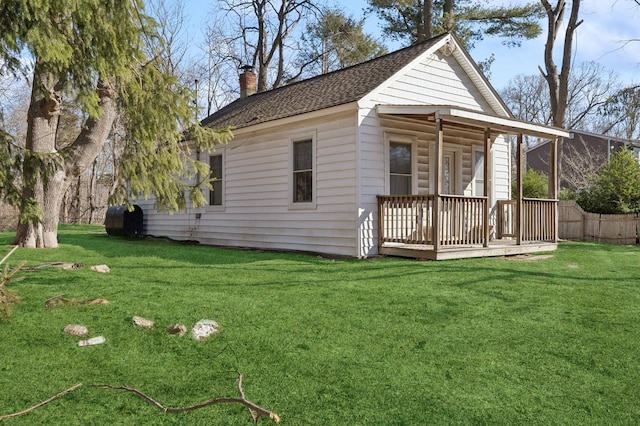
[416,20]
[95,51]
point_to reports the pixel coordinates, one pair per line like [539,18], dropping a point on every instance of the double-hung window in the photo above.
[303,171]
[216,194]
[400,168]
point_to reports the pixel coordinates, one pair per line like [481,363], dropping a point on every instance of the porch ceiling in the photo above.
[477,119]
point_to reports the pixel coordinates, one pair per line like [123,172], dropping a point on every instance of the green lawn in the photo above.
[326,342]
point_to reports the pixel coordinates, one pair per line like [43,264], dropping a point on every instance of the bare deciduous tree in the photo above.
[262,32]
[558,78]
[580,164]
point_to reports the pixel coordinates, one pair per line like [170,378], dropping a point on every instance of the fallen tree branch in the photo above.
[59,265]
[53,398]
[255,410]
[254,415]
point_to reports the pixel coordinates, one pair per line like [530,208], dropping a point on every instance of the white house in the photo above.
[405,154]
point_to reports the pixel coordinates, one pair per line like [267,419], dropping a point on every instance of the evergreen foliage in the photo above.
[615,188]
[88,51]
[534,185]
[337,41]
[471,21]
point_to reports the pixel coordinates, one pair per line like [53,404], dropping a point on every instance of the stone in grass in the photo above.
[76,330]
[178,329]
[204,329]
[100,268]
[142,322]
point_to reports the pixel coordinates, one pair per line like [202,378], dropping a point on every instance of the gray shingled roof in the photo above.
[324,91]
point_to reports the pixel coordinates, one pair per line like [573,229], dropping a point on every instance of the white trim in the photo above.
[476,118]
[250,130]
[411,140]
[475,149]
[312,205]
[220,152]
[456,149]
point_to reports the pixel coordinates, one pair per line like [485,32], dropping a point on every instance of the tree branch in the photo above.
[53,398]
[255,410]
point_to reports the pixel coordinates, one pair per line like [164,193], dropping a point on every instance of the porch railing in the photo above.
[410,219]
[538,219]
[405,219]
[462,220]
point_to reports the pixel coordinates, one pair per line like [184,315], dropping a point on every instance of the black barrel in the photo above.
[122,222]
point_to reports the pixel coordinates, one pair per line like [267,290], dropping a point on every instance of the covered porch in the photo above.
[440,225]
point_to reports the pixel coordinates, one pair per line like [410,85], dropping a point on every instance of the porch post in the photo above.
[553,170]
[554,184]
[437,201]
[487,184]
[519,210]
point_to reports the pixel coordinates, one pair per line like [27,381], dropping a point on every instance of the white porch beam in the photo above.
[503,125]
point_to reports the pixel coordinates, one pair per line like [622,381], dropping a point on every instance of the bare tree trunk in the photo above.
[92,195]
[448,15]
[76,204]
[47,178]
[559,81]
[428,19]
[42,127]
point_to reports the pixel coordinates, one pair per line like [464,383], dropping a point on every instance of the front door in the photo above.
[449,173]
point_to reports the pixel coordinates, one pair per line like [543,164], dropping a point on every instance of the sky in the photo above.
[603,37]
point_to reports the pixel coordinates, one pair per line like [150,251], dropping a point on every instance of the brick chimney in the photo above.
[248,81]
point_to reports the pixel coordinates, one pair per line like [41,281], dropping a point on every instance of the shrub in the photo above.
[534,185]
[568,194]
[615,188]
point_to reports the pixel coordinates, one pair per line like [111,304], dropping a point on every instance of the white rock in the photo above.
[101,268]
[142,322]
[204,328]
[76,330]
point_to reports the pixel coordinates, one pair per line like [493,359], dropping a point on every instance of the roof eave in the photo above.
[478,119]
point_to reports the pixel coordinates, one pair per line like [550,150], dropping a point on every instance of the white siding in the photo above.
[350,170]
[256,211]
[434,80]
[502,168]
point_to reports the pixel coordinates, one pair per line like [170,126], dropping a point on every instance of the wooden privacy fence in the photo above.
[576,224]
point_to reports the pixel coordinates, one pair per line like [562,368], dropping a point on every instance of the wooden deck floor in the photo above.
[496,248]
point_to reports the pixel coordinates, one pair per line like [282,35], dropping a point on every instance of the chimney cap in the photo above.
[246,68]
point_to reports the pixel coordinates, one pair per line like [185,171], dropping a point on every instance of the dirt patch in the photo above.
[530,258]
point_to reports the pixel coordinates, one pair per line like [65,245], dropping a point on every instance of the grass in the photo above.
[326,342]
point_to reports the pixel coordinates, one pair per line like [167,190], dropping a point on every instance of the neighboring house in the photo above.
[582,155]
[404,155]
